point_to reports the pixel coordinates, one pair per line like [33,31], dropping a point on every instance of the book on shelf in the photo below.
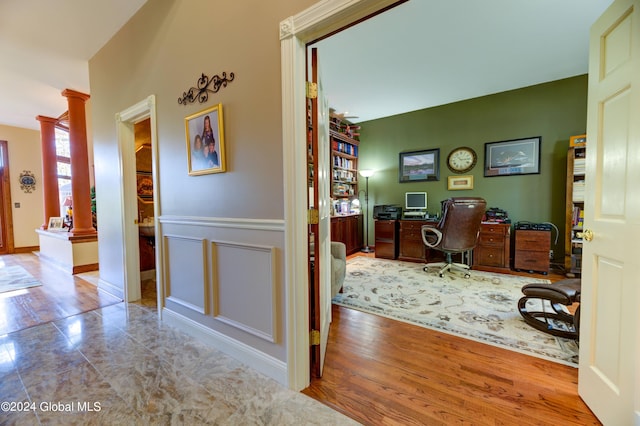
[578,190]
[579,166]
[577,220]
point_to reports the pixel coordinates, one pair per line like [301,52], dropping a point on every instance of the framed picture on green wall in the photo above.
[416,166]
[512,157]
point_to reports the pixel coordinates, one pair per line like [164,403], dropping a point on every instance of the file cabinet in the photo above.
[532,250]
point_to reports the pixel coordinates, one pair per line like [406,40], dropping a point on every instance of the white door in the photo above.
[321,297]
[609,374]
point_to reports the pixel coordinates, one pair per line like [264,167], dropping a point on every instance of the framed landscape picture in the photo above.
[416,166]
[512,157]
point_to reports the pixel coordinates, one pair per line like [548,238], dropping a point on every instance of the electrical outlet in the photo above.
[550,254]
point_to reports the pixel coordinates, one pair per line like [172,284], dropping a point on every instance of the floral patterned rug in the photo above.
[482,308]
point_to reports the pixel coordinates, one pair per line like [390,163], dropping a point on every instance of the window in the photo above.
[63,159]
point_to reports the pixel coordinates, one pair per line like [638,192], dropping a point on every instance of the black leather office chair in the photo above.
[457,231]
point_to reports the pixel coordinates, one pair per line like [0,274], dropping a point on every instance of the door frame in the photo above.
[126,146]
[7,211]
[318,21]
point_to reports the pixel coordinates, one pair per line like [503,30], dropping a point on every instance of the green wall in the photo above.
[554,111]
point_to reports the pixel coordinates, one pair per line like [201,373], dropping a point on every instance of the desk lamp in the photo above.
[366,174]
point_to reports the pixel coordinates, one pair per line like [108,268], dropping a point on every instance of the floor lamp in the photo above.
[366,174]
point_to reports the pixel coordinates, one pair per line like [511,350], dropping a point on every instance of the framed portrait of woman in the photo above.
[205,141]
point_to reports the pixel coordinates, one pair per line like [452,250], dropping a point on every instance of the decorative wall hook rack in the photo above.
[202,89]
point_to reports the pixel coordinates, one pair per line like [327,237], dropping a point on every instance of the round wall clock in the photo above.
[462,159]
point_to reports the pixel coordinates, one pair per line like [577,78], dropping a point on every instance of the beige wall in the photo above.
[223,233]
[24,154]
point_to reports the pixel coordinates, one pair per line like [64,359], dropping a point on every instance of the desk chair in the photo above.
[457,231]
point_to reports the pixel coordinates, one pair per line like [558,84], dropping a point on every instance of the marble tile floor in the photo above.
[119,365]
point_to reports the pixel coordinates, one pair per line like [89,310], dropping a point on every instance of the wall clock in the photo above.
[462,159]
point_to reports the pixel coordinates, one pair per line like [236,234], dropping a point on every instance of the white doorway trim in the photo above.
[125,121]
[317,21]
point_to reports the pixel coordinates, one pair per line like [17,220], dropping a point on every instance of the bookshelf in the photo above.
[576,158]
[344,165]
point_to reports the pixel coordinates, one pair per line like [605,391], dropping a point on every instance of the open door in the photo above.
[320,229]
[609,375]
[6,221]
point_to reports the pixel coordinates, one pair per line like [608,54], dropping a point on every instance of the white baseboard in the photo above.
[265,364]
[111,289]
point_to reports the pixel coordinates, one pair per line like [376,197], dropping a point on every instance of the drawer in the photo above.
[385,250]
[494,230]
[531,261]
[414,234]
[489,256]
[408,225]
[533,237]
[385,230]
[491,240]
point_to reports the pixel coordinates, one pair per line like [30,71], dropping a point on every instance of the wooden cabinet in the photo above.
[576,158]
[532,250]
[386,239]
[492,252]
[412,247]
[147,254]
[347,230]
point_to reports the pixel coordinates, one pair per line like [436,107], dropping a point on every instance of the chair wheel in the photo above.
[426,269]
[467,275]
[441,275]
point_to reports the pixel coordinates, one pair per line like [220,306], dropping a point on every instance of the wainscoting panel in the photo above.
[225,284]
[186,278]
[244,287]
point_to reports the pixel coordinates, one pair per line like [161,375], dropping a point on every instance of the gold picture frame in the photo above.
[456,183]
[205,142]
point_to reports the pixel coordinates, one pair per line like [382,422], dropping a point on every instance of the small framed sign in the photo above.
[455,183]
[55,224]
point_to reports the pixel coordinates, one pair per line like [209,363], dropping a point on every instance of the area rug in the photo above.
[15,278]
[483,307]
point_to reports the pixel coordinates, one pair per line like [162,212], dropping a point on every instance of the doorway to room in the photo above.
[6,228]
[146,212]
[139,188]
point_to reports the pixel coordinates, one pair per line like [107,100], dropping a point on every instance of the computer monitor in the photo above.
[415,203]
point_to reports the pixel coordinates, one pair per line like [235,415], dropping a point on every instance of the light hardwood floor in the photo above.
[377,371]
[60,295]
[381,371]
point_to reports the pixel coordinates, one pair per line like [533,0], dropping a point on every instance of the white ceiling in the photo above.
[425,53]
[45,46]
[421,54]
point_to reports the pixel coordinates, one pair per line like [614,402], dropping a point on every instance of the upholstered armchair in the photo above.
[338,265]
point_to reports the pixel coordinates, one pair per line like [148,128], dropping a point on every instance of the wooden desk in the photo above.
[492,253]
[412,247]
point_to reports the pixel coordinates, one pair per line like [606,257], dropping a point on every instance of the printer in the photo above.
[387,212]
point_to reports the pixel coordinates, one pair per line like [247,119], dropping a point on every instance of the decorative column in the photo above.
[49,168]
[80,181]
